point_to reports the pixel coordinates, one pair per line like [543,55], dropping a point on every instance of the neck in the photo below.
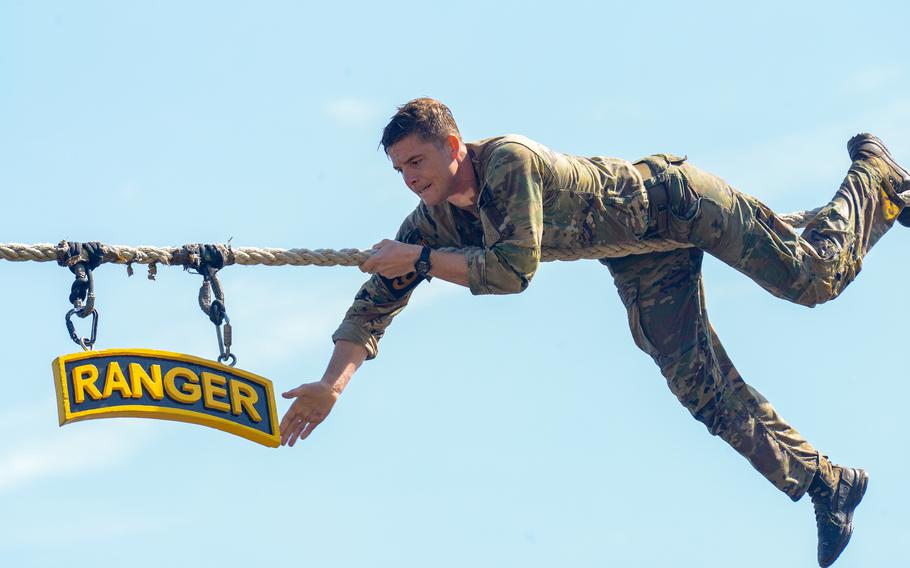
[466,189]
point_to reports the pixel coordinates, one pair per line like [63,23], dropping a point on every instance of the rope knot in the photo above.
[90,255]
[202,257]
[81,259]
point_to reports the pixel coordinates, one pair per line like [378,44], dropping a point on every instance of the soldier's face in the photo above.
[428,168]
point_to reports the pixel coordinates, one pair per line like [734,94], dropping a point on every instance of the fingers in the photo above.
[309,428]
[293,393]
[369,265]
[295,432]
[289,418]
[301,429]
[295,411]
[313,403]
[291,426]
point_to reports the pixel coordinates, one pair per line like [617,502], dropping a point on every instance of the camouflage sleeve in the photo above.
[511,211]
[380,299]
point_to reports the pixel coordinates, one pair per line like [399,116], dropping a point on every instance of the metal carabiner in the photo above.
[228,357]
[81,259]
[224,343]
[206,260]
[85,342]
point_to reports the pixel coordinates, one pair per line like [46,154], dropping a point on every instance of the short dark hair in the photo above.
[426,117]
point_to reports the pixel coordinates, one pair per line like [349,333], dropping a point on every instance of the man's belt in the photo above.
[658,197]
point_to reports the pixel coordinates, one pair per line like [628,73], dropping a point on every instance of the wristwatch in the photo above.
[423,266]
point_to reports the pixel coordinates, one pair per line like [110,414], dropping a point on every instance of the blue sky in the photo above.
[512,431]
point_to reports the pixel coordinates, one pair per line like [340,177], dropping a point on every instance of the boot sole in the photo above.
[859,490]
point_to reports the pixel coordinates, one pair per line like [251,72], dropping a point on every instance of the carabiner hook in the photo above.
[206,260]
[81,259]
[85,342]
[224,344]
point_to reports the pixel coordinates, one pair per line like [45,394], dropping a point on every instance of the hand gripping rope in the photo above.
[206,260]
[250,256]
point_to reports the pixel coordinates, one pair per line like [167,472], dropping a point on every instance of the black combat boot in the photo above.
[834,508]
[866,145]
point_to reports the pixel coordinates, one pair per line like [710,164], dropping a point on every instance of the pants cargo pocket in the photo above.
[628,293]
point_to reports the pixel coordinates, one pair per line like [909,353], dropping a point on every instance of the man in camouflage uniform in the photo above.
[496,203]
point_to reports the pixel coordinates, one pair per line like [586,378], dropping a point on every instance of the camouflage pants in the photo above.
[665,300]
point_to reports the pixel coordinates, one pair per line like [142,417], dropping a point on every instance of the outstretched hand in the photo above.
[313,403]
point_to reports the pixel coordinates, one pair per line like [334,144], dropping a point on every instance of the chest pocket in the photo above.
[492,219]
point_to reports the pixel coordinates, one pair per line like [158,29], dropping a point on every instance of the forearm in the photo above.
[313,401]
[346,359]
[449,266]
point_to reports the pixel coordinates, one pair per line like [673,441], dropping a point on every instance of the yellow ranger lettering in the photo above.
[139,379]
[84,377]
[115,381]
[189,392]
[243,397]
[169,386]
[210,391]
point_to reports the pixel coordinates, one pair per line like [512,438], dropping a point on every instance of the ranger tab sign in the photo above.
[143,383]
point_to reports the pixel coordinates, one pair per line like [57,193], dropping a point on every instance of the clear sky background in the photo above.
[524,430]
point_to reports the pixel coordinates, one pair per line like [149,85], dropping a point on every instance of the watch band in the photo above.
[423,265]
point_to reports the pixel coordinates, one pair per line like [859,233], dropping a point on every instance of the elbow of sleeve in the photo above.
[516,284]
[349,331]
[488,273]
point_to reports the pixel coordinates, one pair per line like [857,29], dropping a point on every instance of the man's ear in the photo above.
[453,143]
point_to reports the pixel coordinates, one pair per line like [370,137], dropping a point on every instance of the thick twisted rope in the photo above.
[119,254]
[248,256]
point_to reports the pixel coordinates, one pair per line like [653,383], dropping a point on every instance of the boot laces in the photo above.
[822,500]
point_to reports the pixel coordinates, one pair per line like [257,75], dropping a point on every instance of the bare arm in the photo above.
[449,266]
[314,401]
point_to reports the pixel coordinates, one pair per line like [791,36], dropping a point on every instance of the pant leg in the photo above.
[808,268]
[663,295]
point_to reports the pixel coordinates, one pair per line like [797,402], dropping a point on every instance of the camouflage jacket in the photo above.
[529,198]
